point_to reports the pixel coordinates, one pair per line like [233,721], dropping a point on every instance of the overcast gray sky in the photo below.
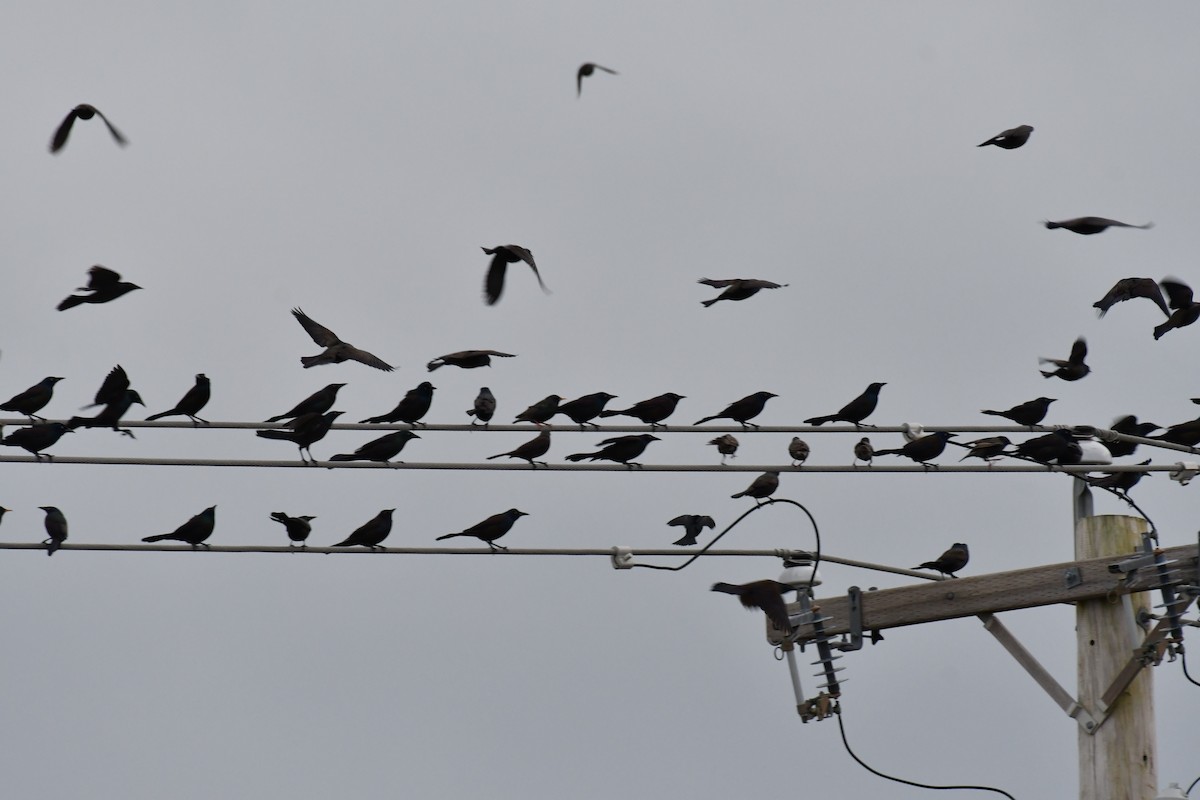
[351,161]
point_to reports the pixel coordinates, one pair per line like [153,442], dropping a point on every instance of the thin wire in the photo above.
[842,729]
[1193,786]
[1186,674]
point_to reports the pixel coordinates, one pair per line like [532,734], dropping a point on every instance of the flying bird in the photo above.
[194,532]
[381,450]
[1129,289]
[304,431]
[110,415]
[503,255]
[1072,368]
[298,528]
[414,405]
[1185,310]
[863,451]
[652,411]
[1029,413]
[742,411]
[727,445]
[192,401]
[1086,226]
[693,525]
[737,288]
[1130,426]
[56,529]
[490,529]
[32,400]
[529,451]
[585,70]
[1010,139]
[36,438]
[318,402]
[82,111]
[336,351]
[114,386]
[371,533]
[619,449]
[855,411]
[761,487]
[950,561]
[765,595]
[799,450]
[484,407]
[104,285]
[467,359]
[922,450]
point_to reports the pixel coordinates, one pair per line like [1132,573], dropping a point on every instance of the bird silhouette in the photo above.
[1029,413]
[987,449]
[1120,483]
[467,359]
[1185,433]
[414,405]
[585,70]
[950,561]
[737,288]
[1010,139]
[855,411]
[56,529]
[82,111]
[1130,426]
[742,411]
[582,410]
[799,451]
[336,351]
[727,445]
[1129,289]
[194,532]
[103,284]
[298,528]
[541,411]
[1087,226]
[529,451]
[381,450]
[192,401]
[484,407]
[318,402]
[371,533]
[490,529]
[114,386]
[36,438]
[923,449]
[693,525]
[766,596]
[110,415]
[304,431]
[761,487]
[503,255]
[619,449]
[863,451]
[32,400]
[1072,368]
[1185,310]
[1058,446]
[652,411]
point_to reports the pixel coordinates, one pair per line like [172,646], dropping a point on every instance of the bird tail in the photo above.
[578,456]
[887,452]
[79,422]
[373,420]
[432,365]
[992,413]
[312,361]
[274,434]
[344,457]
[611,413]
[153,417]
[1160,330]
[449,536]
[702,421]
[498,455]
[279,516]
[739,494]
[158,538]
[277,418]
[51,547]
[821,420]
[707,303]
[727,588]
[1049,374]
[70,302]
[927,565]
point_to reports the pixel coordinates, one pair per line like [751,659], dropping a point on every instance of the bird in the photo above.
[1130,426]
[1086,226]
[727,445]
[541,411]
[799,450]
[467,359]
[693,525]
[619,449]
[1029,413]
[336,351]
[104,285]
[582,410]
[192,401]
[950,561]
[298,528]
[529,451]
[32,400]
[761,487]
[318,402]
[765,595]
[490,529]
[652,411]
[484,406]
[585,70]
[114,386]
[56,529]
[737,288]
[36,438]
[382,450]
[3,511]
[1185,433]
[1130,288]
[304,431]
[742,411]
[371,533]
[1071,369]
[82,111]
[863,451]
[503,255]
[194,532]
[1119,483]
[855,411]
[110,415]
[923,449]
[1185,310]
[989,448]
[414,405]
[1058,446]
[1010,139]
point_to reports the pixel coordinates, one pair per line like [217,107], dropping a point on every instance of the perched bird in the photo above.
[1058,446]
[582,410]
[336,351]
[115,384]
[1071,369]
[371,533]
[727,445]
[318,402]
[1119,482]
[82,111]
[36,438]
[1130,288]
[192,401]
[1029,413]
[1010,139]
[4,511]
[863,451]
[737,288]
[467,359]
[1185,310]
[585,70]
[304,431]
[987,449]
[693,525]
[56,529]
[503,255]
[1185,433]
[761,487]
[1130,426]
[619,449]
[1089,225]
[414,405]
[535,447]
[765,595]
[298,528]
[652,411]
[110,415]
[194,531]
[484,407]
[799,451]
[922,450]
[104,285]
[855,411]
[32,400]
[950,561]
[490,529]
[541,411]
[383,449]
[742,411]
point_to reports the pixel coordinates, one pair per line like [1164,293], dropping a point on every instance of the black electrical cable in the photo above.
[1186,674]
[842,729]
[1193,786]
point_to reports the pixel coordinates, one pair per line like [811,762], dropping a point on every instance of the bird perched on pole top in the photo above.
[194,532]
[727,445]
[1029,413]
[764,595]
[336,351]
[104,285]
[298,528]
[490,529]
[585,70]
[855,411]
[191,403]
[503,255]
[1086,226]
[737,288]
[56,529]
[950,561]
[652,411]
[693,525]
[761,487]
[32,400]
[1010,139]
[1072,368]
[467,359]
[742,411]
[82,111]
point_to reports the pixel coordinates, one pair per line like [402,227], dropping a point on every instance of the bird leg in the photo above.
[125,431]
[496,547]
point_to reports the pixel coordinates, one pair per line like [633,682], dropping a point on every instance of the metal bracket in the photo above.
[855,609]
[1184,472]
[1072,577]
[622,557]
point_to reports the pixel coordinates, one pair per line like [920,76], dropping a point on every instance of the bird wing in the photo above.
[526,256]
[1078,351]
[363,357]
[718,283]
[579,80]
[497,353]
[493,282]
[102,278]
[116,134]
[755,283]
[682,520]
[606,69]
[1178,293]
[63,131]
[319,333]
[115,384]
